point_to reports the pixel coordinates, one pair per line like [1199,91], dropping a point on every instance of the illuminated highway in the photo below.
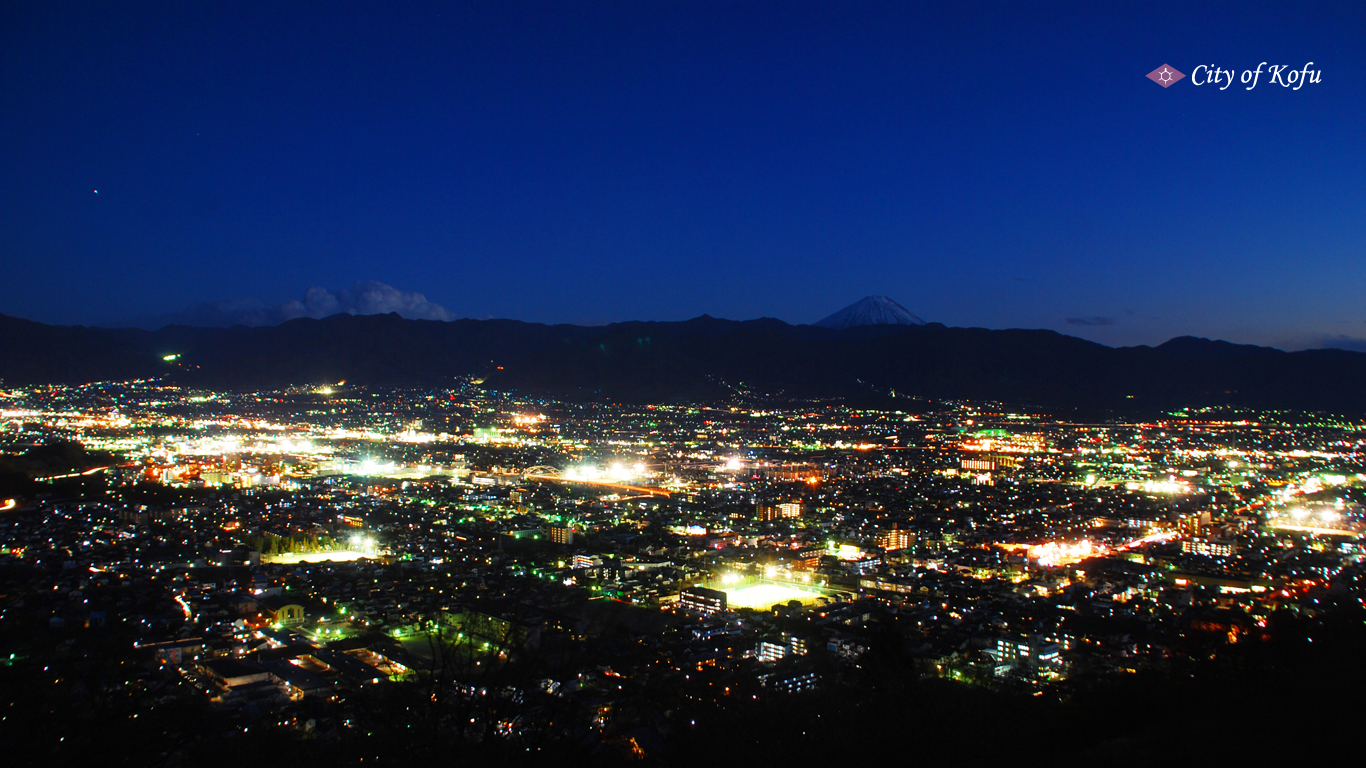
[600,483]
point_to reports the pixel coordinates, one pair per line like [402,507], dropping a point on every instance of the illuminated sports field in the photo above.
[767,595]
[292,558]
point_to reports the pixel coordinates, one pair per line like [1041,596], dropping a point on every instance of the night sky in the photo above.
[985,165]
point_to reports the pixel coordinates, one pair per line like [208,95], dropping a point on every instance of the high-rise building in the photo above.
[770,651]
[895,539]
[1026,656]
[790,681]
[561,534]
[701,601]
[787,509]
[807,559]
[1208,547]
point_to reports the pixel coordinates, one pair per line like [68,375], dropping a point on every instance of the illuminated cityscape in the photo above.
[622,571]
[603,383]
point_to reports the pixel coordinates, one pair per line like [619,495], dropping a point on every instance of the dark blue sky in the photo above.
[996,165]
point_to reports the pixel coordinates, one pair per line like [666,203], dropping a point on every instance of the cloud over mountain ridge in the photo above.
[364,297]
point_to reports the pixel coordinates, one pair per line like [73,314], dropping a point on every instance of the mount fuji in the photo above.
[873,310]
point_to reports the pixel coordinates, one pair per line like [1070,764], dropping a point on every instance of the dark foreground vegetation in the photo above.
[82,697]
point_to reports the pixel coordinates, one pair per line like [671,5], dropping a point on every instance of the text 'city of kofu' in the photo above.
[1277,74]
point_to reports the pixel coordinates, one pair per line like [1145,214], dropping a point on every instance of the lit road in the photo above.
[601,483]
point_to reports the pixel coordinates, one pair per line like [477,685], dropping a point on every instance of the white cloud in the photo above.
[366,297]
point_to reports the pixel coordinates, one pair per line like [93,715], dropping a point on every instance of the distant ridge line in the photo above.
[698,360]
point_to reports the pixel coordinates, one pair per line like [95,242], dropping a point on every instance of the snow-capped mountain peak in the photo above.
[873,310]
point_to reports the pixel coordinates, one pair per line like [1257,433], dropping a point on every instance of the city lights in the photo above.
[529,384]
[769,561]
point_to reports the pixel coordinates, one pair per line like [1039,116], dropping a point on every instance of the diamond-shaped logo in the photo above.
[1165,75]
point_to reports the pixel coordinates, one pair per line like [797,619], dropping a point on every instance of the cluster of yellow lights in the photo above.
[1053,553]
[1158,486]
[1064,553]
[612,472]
[1012,444]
